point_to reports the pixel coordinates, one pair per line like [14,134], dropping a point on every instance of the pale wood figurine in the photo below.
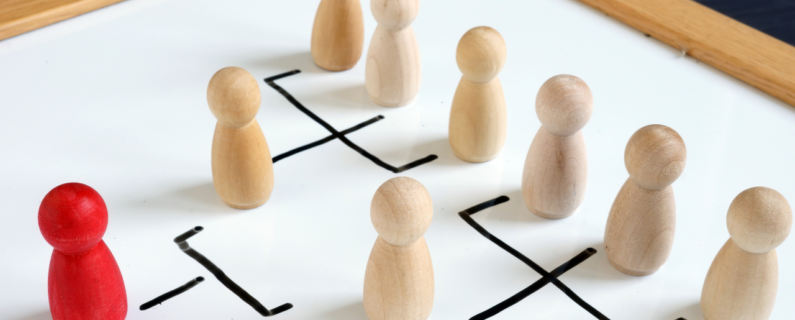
[556,167]
[241,161]
[742,282]
[398,281]
[477,117]
[338,34]
[392,71]
[640,227]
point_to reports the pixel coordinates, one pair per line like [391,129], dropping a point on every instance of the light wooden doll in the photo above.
[392,72]
[556,167]
[477,117]
[241,161]
[398,281]
[641,225]
[338,34]
[742,282]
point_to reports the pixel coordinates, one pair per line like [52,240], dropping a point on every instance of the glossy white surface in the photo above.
[116,99]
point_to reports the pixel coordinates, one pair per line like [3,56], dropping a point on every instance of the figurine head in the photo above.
[401,211]
[73,218]
[234,97]
[481,54]
[655,157]
[564,105]
[759,219]
[394,14]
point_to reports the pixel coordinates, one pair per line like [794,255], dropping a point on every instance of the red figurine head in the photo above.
[73,218]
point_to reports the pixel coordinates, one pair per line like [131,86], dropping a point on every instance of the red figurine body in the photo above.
[85,282]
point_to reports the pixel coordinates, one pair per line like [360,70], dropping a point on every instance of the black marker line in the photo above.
[547,276]
[327,139]
[173,293]
[181,241]
[587,253]
[534,266]
[337,134]
[485,205]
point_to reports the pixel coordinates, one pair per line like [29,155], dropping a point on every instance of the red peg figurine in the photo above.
[85,282]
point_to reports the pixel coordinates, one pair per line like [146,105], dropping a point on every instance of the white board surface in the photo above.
[116,99]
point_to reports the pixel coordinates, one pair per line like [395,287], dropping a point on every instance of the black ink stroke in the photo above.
[326,139]
[173,293]
[334,133]
[546,276]
[182,242]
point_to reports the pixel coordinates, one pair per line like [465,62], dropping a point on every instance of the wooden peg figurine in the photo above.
[640,227]
[392,72]
[398,281]
[84,281]
[242,165]
[556,167]
[742,282]
[338,34]
[477,117]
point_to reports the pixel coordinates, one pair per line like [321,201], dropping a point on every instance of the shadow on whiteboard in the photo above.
[440,147]
[357,95]
[297,60]
[192,200]
[515,210]
[353,311]
[599,268]
[689,312]
[43,315]
[353,97]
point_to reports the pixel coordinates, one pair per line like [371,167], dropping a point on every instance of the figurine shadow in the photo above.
[353,96]
[195,199]
[202,196]
[43,315]
[516,211]
[353,311]
[441,148]
[298,60]
[689,312]
[598,267]
[350,98]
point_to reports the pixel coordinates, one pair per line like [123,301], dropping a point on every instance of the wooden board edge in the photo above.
[768,77]
[48,17]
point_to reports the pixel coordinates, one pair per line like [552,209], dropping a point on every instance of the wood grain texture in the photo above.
[84,282]
[478,117]
[742,281]
[555,174]
[759,219]
[740,285]
[20,16]
[86,286]
[773,17]
[241,161]
[640,229]
[393,71]
[556,167]
[737,49]
[478,120]
[398,281]
[338,34]
[242,165]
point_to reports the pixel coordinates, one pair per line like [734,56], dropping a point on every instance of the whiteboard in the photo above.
[116,99]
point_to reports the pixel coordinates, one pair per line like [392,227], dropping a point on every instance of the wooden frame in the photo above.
[739,50]
[724,43]
[20,16]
